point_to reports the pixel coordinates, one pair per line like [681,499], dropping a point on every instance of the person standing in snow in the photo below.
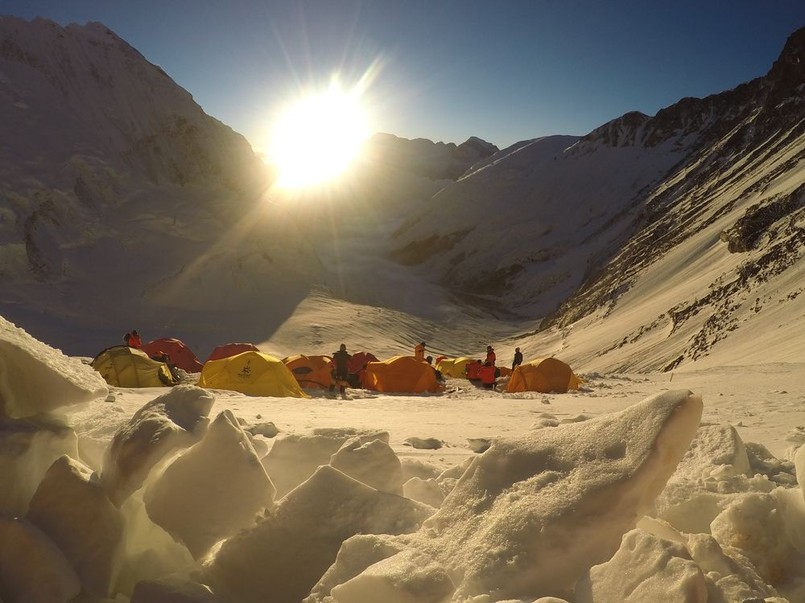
[518,358]
[419,352]
[341,368]
[490,355]
[135,341]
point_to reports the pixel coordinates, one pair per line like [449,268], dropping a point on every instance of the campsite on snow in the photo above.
[649,447]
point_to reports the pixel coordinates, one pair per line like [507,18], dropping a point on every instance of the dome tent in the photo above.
[453,367]
[358,360]
[252,373]
[311,371]
[180,355]
[123,366]
[401,374]
[544,375]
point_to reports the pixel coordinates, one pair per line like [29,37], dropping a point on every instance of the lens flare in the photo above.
[316,138]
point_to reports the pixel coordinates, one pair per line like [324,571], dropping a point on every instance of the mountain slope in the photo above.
[675,239]
[123,203]
[631,229]
[726,227]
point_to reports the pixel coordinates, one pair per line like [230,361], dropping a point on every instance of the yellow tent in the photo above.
[252,373]
[453,367]
[123,366]
[543,375]
[400,374]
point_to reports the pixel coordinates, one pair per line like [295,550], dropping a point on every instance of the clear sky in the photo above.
[503,70]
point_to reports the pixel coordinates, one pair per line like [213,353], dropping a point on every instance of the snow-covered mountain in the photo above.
[123,205]
[709,191]
[122,202]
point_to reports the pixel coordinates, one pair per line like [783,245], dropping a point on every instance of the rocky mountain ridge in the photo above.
[727,167]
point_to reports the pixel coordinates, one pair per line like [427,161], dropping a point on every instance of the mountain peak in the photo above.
[790,66]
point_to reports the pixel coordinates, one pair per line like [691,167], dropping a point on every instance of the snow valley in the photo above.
[660,256]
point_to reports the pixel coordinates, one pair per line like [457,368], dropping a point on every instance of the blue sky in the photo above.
[447,69]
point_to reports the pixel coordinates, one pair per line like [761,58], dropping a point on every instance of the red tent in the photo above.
[231,349]
[179,354]
[359,360]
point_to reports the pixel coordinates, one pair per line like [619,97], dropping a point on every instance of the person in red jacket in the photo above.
[135,341]
[490,355]
[487,374]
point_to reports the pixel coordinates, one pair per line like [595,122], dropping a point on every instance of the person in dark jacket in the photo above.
[341,368]
[518,358]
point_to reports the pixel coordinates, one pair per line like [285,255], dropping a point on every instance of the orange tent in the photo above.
[400,374]
[359,360]
[543,375]
[311,371]
[231,349]
[179,354]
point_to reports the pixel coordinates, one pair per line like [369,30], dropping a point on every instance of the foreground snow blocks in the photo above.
[35,378]
[373,463]
[32,568]
[27,449]
[645,568]
[531,515]
[74,511]
[211,491]
[715,464]
[294,458]
[558,500]
[766,532]
[422,580]
[171,422]
[283,556]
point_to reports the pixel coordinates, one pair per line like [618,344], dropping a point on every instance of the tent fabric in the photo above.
[359,360]
[252,373]
[123,366]
[400,374]
[543,375]
[231,349]
[311,372]
[180,355]
[453,367]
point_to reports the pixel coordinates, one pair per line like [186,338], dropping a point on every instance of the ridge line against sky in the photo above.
[449,69]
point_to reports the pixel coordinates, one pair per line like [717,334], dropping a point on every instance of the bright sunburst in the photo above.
[316,138]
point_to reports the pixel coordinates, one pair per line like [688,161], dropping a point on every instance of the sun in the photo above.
[315,139]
